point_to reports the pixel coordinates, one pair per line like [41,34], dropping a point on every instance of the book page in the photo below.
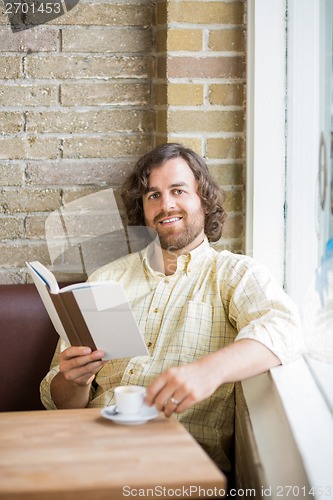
[44,274]
[110,320]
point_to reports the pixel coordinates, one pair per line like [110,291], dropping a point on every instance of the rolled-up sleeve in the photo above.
[262,311]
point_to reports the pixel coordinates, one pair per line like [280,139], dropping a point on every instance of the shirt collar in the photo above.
[184,262]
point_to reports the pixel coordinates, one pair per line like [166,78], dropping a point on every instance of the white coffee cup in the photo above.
[129,398]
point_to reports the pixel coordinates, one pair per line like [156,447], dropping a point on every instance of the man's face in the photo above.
[173,207]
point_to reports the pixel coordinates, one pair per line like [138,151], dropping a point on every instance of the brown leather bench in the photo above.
[27,344]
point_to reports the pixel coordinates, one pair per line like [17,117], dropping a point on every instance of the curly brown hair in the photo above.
[137,184]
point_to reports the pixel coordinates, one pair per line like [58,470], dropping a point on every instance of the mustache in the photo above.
[174,213]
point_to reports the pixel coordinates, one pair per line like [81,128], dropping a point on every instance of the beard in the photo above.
[173,239]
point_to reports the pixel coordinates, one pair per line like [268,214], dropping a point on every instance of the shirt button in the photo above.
[156,310]
[149,344]
[131,372]
[166,281]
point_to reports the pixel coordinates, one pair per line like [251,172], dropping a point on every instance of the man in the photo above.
[209,318]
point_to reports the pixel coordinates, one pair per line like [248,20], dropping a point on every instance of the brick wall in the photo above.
[82,96]
[200,102]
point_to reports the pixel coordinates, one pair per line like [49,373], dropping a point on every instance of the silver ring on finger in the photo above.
[174,401]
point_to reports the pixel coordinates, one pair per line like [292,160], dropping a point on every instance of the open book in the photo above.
[94,314]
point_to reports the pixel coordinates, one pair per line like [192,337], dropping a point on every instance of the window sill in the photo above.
[309,417]
[292,430]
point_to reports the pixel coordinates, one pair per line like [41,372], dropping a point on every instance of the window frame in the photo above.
[265,151]
[304,126]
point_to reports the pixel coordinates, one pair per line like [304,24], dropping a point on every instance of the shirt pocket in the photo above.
[192,335]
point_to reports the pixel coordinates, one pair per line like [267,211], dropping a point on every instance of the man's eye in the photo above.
[153,196]
[178,191]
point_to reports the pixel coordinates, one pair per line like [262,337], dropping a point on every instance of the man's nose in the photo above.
[167,202]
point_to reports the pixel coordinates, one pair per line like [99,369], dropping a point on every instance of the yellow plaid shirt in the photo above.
[212,299]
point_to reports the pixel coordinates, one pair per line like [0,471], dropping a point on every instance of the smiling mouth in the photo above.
[170,220]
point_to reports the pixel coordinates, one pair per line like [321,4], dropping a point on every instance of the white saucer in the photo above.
[147,413]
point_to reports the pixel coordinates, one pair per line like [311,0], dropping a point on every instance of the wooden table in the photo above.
[71,454]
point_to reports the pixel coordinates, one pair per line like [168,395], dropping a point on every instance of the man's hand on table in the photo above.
[179,388]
